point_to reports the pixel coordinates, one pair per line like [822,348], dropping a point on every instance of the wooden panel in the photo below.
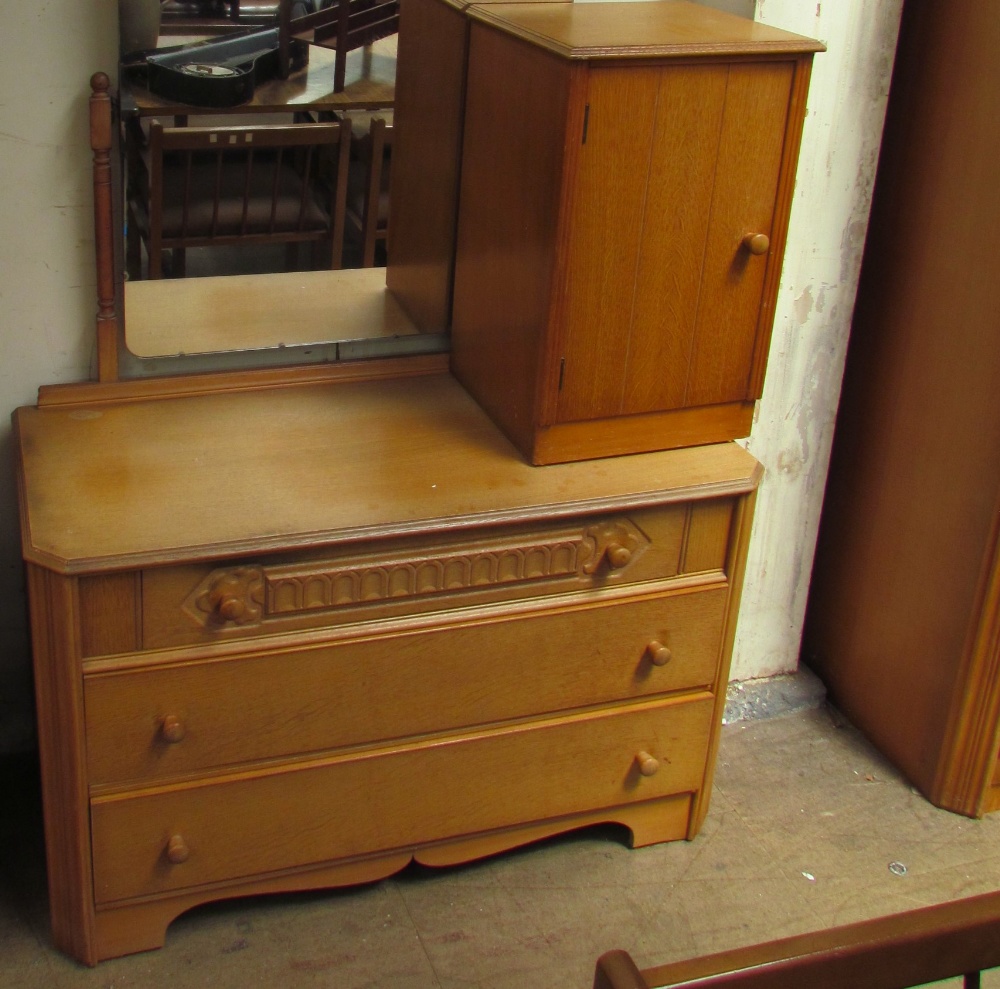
[217,475]
[750,154]
[110,614]
[740,528]
[669,29]
[991,800]
[426,157]
[945,944]
[373,687]
[426,154]
[707,544]
[395,798]
[59,703]
[908,536]
[682,175]
[181,605]
[605,218]
[512,172]
[616,435]
[968,760]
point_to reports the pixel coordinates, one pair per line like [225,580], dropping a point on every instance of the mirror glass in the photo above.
[270,303]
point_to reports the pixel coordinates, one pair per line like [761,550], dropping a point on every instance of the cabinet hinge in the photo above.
[586,122]
[562,372]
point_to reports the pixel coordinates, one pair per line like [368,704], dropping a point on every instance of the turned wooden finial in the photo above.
[101,134]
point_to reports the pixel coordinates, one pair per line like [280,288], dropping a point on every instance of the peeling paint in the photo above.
[790,463]
[804,305]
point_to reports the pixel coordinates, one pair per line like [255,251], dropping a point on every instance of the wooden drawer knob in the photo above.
[172,728]
[757,243]
[658,653]
[177,849]
[617,555]
[230,607]
[647,764]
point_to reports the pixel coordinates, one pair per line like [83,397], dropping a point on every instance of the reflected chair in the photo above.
[368,180]
[237,186]
[343,25]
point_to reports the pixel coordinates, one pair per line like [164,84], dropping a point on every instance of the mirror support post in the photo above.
[101,122]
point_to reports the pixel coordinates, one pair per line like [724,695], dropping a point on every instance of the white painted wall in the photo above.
[793,429]
[47,296]
[47,299]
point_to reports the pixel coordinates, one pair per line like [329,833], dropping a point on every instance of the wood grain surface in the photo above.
[214,475]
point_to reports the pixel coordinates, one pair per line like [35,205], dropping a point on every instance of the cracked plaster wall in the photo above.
[793,427]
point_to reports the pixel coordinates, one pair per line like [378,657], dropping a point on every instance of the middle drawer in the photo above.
[197,714]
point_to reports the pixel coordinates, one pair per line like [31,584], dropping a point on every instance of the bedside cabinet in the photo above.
[622,216]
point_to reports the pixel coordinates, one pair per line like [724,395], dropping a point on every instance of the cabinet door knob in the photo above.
[177,849]
[647,764]
[658,653]
[757,243]
[172,728]
[617,555]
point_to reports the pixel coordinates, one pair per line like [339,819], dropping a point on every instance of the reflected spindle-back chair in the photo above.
[368,180]
[244,185]
[343,25]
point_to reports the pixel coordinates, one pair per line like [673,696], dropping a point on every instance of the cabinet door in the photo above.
[662,301]
[730,315]
[604,221]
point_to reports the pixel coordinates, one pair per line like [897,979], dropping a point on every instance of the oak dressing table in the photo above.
[297,626]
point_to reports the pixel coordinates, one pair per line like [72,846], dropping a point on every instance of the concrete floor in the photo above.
[805,821]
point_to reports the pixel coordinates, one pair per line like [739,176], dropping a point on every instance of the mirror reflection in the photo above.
[257,155]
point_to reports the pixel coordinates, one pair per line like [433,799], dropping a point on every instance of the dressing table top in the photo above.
[157,481]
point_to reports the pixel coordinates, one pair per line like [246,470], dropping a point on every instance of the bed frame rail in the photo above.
[956,939]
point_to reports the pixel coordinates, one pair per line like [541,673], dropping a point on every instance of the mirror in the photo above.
[238,307]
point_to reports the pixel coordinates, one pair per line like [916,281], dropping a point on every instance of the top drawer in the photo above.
[358,582]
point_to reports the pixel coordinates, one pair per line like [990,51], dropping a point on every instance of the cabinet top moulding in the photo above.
[659,29]
[213,476]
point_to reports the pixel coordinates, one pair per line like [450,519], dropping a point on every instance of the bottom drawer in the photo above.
[236,827]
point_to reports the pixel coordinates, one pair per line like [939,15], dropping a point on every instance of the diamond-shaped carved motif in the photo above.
[233,597]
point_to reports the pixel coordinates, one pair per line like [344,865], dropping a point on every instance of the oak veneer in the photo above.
[430,103]
[427,151]
[298,637]
[624,201]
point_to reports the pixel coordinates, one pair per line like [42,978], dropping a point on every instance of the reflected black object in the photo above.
[214,73]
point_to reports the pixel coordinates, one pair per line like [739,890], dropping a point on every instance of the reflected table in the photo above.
[370,83]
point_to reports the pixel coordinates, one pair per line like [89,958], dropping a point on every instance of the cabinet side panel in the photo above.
[750,156]
[427,143]
[508,223]
[59,700]
[606,215]
[110,614]
[681,179]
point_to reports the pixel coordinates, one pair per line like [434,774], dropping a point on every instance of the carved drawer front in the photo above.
[168,719]
[201,604]
[395,798]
